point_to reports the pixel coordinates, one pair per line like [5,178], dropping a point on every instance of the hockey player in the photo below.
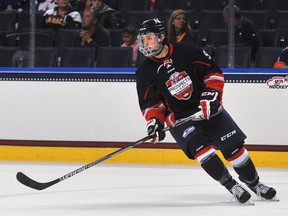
[176,81]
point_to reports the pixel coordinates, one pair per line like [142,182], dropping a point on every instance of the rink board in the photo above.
[100,105]
[131,156]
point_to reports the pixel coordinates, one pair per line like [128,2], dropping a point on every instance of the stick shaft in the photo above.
[196,116]
[24,179]
[104,158]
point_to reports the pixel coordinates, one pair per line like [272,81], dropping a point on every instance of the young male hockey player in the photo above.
[176,81]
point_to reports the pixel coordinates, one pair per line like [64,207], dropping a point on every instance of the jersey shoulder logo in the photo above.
[168,64]
[180,85]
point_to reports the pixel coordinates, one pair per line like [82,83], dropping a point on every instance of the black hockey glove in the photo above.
[209,103]
[155,130]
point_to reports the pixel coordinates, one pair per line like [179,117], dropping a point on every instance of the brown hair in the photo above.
[130,30]
[171,29]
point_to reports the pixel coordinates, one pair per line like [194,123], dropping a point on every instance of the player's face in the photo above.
[150,40]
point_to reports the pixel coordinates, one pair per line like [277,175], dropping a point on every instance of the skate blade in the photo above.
[249,202]
[274,199]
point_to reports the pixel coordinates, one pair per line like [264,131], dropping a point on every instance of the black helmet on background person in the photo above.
[151,26]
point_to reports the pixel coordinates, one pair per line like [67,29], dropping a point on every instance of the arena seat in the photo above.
[260,17]
[242,56]
[114,57]
[8,20]
[270,37]
[247,4]
[65,37]
[76,56]
[45,56]
[267,56]
[211,19]
[127,5]
[24,20]
[135,18]
[43,37]
[217,37]
[116,37]
[6,56]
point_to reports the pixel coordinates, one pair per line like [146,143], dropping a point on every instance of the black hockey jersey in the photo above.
[169,89]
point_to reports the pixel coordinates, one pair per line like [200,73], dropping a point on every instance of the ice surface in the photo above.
[126,190]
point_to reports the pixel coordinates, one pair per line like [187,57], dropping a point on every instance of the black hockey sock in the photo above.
[247,173]
[216,169]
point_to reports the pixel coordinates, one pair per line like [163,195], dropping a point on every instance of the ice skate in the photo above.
[239,192]
[264,192]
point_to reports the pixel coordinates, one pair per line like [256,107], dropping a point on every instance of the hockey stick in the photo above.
[25,180]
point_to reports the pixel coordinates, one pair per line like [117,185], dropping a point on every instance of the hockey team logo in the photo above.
[180,85]
[168,64]
[278,82]
[187,131]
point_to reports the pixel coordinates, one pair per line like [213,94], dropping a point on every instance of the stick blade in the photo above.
[25,180]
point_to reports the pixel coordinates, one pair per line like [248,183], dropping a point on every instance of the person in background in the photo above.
[176,81]
[15,5]
[246,31]
[92,33]
[82,5]
[107,14]
[179,30]
[282,61]
[113,3]
[61,16]
[129,37]
[45,5]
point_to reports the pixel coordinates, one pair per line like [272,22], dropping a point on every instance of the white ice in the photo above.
[126,190]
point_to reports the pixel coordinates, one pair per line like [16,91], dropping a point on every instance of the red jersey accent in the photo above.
[203,151]
[156,111]
[237,155]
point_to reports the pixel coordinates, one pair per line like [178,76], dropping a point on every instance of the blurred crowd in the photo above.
[115,23]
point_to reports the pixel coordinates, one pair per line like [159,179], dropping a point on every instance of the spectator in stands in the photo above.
[45,5]
[83,5]
[92,33]
[107,14]
[246,31]
[129,37]
[15,5]
[282,61]
[61,16]
[112,3]
[179,29]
